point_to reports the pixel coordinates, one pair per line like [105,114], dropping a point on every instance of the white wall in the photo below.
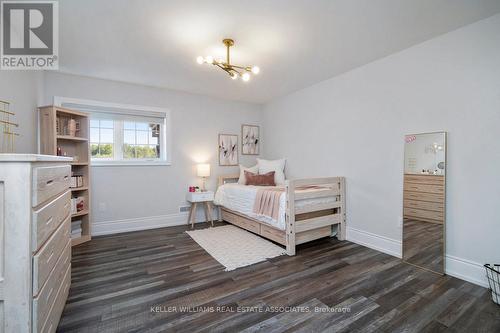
[150,196]
[22,89]
[354,125]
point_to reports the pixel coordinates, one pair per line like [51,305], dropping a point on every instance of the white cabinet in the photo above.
[35,245]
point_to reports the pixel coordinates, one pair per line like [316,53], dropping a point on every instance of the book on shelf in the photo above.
[76,224]
[67,126]
[77,204]
[76,235]
[76,181]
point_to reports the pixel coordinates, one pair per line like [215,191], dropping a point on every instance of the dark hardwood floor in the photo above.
[139,282]
[423,244]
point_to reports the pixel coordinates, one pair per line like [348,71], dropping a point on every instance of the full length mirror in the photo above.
[424,201]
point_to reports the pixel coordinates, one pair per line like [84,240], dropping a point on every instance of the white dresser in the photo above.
[35,245]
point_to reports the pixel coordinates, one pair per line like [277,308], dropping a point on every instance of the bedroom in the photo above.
[344,90]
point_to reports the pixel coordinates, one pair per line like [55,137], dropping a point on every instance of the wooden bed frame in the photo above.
[303,225]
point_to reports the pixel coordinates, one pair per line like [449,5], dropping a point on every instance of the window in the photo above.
[101,138]
[124,135]
[141,140]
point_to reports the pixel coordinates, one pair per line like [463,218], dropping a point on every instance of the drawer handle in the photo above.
[49,221]
[50,182]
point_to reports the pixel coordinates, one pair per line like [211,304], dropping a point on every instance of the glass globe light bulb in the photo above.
[234,76]
[255,70]
[209,59]
[245,77]
[200,60]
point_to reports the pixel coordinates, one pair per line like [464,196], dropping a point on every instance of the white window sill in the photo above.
[128,163]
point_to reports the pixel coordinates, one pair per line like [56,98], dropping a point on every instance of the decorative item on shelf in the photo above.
[250,140]
[72,127]
[234,71]
[193,189]
[7,127]
[203,171]
[228,150]
[77,204]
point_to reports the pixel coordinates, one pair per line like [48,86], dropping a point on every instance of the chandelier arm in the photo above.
[246,68]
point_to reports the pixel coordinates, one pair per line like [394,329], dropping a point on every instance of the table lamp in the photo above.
[203,170]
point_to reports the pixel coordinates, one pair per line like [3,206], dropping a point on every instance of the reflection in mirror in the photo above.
[424,200]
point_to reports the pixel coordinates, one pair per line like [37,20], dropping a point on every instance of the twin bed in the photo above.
[306,209]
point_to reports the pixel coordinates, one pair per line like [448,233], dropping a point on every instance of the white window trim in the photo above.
[166,140]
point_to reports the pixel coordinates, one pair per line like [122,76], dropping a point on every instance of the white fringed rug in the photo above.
[234,247]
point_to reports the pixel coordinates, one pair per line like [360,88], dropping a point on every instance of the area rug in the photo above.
[234,247]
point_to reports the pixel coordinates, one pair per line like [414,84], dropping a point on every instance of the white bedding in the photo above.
[241,199]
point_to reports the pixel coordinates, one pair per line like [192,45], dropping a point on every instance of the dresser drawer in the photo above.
[434,206]
[44,301]
[427,188]
[45,260]
[48,218]
[56,310]
[423,214]
[49,182]
[421,196]
[425,179]
[62,262]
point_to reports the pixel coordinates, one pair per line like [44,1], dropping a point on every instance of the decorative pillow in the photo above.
[260,180]
[278,166]
[242,180]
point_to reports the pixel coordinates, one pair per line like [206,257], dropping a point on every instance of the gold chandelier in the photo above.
[234,71]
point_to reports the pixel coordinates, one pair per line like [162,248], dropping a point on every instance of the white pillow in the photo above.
[278,166]
[242,180]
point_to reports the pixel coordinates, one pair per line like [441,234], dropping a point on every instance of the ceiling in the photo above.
[296,43]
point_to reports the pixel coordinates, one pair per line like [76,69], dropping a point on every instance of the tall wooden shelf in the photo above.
[76,146]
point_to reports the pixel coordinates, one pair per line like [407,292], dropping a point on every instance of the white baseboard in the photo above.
[144,223]
[466,270]
[458,267]
[374,241]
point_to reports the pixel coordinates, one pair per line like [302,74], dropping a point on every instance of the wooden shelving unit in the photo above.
[76,146]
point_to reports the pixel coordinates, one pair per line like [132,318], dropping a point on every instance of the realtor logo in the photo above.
[29,35]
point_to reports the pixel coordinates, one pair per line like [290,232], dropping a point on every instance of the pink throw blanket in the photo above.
[267,200]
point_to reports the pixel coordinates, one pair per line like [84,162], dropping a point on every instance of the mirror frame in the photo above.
[445,204]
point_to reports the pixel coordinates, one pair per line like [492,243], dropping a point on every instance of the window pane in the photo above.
[142,137]
[155,151]
[153,138]
[106,123]
[129,125]
[94,150]
[101,151]
[94,123]
[94,135]
[128,151]
[106,150]
[144,151]
[129,137]
[142,126]
[106,135]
